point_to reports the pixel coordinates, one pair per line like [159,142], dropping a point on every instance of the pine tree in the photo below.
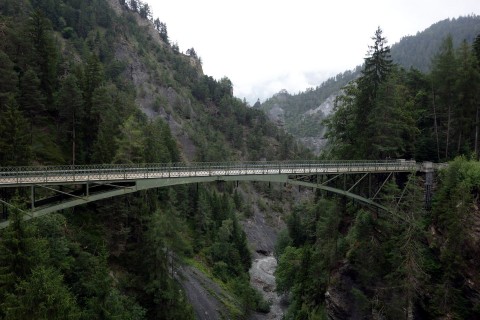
[71,113]
[351,126]
[466,115]
[44,54]
[43,295]
[392,122]
[407,247]
[156,149]
[476,49]
[377,68]
[8,79]
[32,100]
[20,252]
[131,142]
[14,136]
[92,81]
[444,75]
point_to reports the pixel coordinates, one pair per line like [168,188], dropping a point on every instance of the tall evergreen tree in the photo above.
[93,79]
[377,67]
[43,295]
[444,75]
[14,135]
[352,123]
[20,252]
[104,124]
[466,113]
[131,142]
[476,48]
[71,113]
[8,78]
[44,54]
[32,100]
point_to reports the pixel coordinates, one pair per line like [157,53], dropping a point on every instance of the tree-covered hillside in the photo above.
[300,113]
[85,82]
[418,50]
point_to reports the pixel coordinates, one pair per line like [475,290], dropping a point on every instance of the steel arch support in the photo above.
[340,192]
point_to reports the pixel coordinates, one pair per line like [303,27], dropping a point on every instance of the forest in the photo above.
[88,82]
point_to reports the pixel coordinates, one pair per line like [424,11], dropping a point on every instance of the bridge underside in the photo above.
[96,191]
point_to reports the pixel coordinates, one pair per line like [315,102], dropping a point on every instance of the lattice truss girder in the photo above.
[368,186]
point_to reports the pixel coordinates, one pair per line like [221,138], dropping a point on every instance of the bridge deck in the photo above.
[26,176]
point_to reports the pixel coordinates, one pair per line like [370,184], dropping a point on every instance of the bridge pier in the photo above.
[32,198]
[427,167]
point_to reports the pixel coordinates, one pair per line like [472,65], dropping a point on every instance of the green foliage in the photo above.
[418,50]
[288,266]
[44,55]
[8,79]
[131,142]
[283,241]
[71,113]
[14,135]
[455,205]
[43,295]
[393,264]
[20,252]
[163,240]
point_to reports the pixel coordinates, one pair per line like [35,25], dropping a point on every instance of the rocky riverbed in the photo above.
[263,279]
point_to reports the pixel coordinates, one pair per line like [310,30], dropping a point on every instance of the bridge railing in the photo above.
[122,172]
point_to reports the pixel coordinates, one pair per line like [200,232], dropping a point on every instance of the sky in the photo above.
[264,46]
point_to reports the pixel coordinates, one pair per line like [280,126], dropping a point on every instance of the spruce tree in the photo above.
[8,79]
[14,135]
[444,75]
[20,252]
[71,111]
[377,68]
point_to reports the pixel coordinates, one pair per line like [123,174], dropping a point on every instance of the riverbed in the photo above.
[263,279]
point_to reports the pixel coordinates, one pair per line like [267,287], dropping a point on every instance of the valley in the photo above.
[135,186]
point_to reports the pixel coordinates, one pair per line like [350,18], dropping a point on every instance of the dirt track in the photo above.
[203,294]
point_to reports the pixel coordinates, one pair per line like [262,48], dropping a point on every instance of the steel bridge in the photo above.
[70,186]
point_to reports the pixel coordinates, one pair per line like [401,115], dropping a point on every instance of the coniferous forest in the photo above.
[92,82]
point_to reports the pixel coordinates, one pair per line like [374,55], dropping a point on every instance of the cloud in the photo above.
[262,46]
[293,82]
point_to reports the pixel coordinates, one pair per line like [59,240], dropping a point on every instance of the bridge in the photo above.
[70,186]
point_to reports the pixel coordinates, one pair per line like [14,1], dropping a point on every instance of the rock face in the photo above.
[277,114]
[339,296]
[325,108]
[317,143]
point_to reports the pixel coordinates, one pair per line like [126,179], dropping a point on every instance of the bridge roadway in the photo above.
[105,181]
[56,175]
